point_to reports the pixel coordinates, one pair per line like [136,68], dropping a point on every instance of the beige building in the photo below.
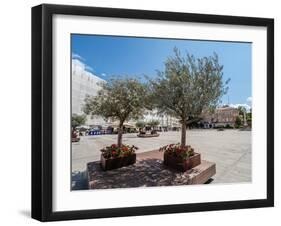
[222,116]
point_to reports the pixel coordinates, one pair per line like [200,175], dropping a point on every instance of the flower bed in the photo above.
[114,157]
[180,158]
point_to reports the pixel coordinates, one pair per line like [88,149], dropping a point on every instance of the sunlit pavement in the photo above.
[229,149]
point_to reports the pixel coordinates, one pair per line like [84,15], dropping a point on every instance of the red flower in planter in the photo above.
[113,151]
[125,148]
[178,151]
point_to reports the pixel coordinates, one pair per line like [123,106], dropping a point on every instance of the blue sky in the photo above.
[107,56]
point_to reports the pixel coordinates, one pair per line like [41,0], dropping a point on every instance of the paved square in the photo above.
[229,149]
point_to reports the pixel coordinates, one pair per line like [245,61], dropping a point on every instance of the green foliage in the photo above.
[140,124]
[249,116]
[238,122]
[241,110]
[188,85]
[119,99]
[77,120]
[153,123]
[228,126]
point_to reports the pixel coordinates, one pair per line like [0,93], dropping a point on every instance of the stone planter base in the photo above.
[180,164]
[75,139]
[114,163]
[148,135]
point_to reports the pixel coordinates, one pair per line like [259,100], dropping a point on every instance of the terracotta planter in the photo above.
[182,164]
[114,163]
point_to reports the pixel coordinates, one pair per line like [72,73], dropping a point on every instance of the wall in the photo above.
[15,112]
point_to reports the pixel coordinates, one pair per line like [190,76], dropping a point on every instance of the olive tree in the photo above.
[187,86]
[140,124]
[238,122]
[118,99]
[153,123]
[77,120]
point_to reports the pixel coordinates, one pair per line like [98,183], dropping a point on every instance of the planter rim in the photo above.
[177,157]
[118,157]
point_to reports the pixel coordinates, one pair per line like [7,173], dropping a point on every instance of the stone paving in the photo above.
[229,149]
[148,171]
[144,173]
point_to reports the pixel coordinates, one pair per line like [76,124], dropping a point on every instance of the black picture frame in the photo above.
[42,111]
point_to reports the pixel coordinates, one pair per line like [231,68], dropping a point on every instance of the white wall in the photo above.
[15,147]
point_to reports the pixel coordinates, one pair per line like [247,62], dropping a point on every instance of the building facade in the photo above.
[84,83]
[166,122]
[222,116]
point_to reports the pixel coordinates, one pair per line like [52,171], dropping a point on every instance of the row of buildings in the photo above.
[85,82]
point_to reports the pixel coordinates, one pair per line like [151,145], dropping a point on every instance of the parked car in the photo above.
[94,132]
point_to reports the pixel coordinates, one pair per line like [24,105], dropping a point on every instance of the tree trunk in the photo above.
[183,134]
[120,134]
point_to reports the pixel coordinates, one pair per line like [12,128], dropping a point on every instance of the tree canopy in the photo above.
[118,99]
[238,122]
[140,124]
[153,123]
[77,120]
[187,86]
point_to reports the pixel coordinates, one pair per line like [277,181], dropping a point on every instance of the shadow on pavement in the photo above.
[144,173]
[79,180]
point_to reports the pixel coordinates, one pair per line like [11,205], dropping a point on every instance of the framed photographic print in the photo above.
[145,112]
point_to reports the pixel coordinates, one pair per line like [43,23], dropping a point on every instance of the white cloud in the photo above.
[103,74]
[88,68]
[246,106]
[77,56]
[78,61]
[77,65]
[82,68]
[249,100]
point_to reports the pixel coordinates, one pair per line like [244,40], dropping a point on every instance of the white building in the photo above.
[86,83]
[165,121]
[83,83]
